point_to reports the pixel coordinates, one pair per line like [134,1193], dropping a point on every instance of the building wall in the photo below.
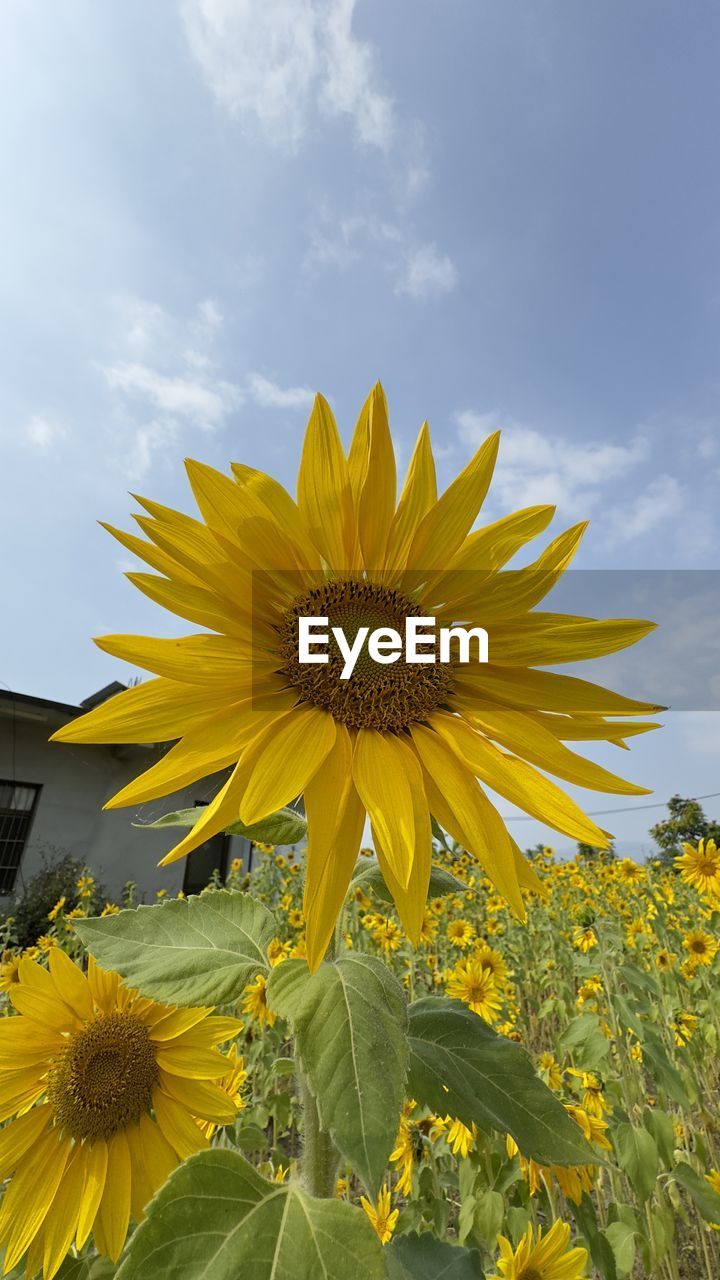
[69,818]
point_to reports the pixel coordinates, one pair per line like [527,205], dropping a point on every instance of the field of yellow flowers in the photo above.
[611,989]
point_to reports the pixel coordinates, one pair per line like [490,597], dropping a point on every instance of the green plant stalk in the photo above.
[320,1158]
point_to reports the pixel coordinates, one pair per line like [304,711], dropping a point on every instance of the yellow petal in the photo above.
[176,1022]
[277,501]
[20,1135]
[484,552]
[30,1194]
[113,1215]
[516,591]
[70,983]
[411,900]
[198,659]
[519,782]
[324,492]
[202,1098]
[550,691]
[371,464]
[544,641]
[380,776]
[104,986]
[158,559]
[141,1188]
[207,748]
[525,737]
[195,604]
[335,825]
[62,1217]
[418,496]
[42,1007]
[96,1159]
[445,526]
[462,808]
[160,1158]
[280,762]
[197,1064]
[177,1126]
[152,712]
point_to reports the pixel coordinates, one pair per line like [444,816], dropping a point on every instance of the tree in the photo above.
[686,822]
[594,853]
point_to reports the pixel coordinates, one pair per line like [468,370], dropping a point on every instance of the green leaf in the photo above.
[622,1242]
[284,827]
[585,1041]
[638,1157]
[705,1199]
[600,1248]
[488,1216]
[660,1125]
[368,876]
[349,1021]
[217,1219]
[199,951]
[424,1257]
[461,1067]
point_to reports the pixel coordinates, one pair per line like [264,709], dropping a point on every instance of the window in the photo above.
[208,857]
[18,801]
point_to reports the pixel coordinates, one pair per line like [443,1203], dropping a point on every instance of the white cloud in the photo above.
[275,63]
[41,432]
[268,395]
[655,507]
[205,405]
[426,273]
[534,467]
[148,440]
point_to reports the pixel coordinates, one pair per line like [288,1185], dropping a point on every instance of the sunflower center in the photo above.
[707,868]
[387,697]
[103,1078]
[529,1273]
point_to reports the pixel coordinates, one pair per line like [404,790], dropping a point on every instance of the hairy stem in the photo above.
[320,1158]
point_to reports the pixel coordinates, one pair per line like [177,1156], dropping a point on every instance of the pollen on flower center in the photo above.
[387,697]
[103,1079]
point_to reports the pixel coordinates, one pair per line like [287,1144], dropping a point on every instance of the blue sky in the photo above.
[507,212]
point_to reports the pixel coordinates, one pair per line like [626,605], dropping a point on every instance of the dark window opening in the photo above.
[203,861]
[18,801]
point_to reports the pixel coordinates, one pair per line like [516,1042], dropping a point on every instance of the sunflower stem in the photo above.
[320,1158]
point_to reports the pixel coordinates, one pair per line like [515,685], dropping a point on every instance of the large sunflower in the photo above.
[396,742]
[106,1089]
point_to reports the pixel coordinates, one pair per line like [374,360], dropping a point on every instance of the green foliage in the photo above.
[349,1021]
[460,1066]
[198,951]
[217,1219]
[638,1157]
[686,821]
[424,1257]
[57,879]
[284,827]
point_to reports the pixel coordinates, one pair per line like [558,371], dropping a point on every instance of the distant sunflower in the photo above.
[475,985]
[106,1088]
[700,867]
[398,741]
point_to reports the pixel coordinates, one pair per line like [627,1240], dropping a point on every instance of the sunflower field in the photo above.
[610,989]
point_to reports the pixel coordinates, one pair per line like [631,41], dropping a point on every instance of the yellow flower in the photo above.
[386,934]
[472,983]
[541,1257]
[631,872]
[700,867]
[236,865]
[9,969]
[683,1027]
[53,914]
[550,1071]
[584,939]
[105,1087]
[396,741]
[403,1155]
[460,1139]
[700,946]
[110,909]
[296,918]
[231,1083]
[255,1002]
[460,933]
[665,959]
[380,1215]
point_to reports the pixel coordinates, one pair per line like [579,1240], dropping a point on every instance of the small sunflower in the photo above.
[103,1089]
[475,985]
[700,946]
[700,867]
[255,1002]
[382,1217]
[460,933]
[396,741]
[541,1257]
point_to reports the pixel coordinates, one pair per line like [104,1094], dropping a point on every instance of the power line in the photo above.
[598,813]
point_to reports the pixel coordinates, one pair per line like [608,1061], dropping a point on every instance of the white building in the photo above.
[51,804]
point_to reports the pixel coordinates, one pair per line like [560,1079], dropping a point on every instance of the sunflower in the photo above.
[700,946]
[701,867]
[106,1088]
[397,741]
[475,985]
[460,933]
[541,1257]
[380,1214]
[255,1002]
